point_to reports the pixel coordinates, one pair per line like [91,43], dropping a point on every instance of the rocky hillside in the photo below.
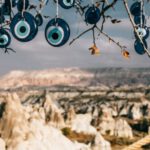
[43,127]
[84,121]
[75,109]
[76,77]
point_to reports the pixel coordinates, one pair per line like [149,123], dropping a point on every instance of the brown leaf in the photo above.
[125,54]
[115,21]
[94,50]
[32,7]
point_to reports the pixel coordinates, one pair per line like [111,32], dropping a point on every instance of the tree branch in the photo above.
[134,27]
[92,28]
[111,39]
[108,6]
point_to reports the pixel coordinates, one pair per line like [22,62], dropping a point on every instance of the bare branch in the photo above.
[134,27]
[104,18]
[93,36]
[92,28]
[109,6]
[111,39]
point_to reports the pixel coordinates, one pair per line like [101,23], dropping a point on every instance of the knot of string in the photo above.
[142,13]
[24,5]
[57,12]
[57,9]
[11,4]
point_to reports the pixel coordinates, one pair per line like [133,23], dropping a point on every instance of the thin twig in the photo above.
[104,18]
[93,36]
[108,6]
[7,49]
[104,9]
[82,34]
[111,39]
[134,27]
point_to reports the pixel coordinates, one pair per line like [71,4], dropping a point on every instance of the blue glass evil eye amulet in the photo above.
[92,15]
[5,38]
[66,4]
[57,32]
[24,28]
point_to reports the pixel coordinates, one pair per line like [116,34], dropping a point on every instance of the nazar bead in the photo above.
[5,38]
[24,27]
[57,32]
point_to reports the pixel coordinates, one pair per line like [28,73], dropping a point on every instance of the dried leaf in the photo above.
[94,50]
[92,47]
[108,16]
[32,7]
[125,54]
[46,16]
[115,21]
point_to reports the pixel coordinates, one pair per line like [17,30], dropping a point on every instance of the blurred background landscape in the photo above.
[81,102]
[75,109]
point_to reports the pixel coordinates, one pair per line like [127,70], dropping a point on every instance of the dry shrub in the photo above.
[80,137]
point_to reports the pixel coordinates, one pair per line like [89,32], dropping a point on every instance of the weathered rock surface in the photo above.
[22,131]
[122,129]
[100,143]
[2,144]
[84,101]
[82,123]
[114,127]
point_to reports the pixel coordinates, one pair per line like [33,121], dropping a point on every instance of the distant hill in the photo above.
[111,77]
[121,76]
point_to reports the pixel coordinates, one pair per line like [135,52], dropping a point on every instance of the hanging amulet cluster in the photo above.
[22,20]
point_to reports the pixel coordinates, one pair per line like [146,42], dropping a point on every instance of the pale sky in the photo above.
[37,54]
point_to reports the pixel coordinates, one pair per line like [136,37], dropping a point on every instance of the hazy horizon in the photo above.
[92,68]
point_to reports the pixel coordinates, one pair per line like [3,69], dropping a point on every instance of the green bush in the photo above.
[66,131]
